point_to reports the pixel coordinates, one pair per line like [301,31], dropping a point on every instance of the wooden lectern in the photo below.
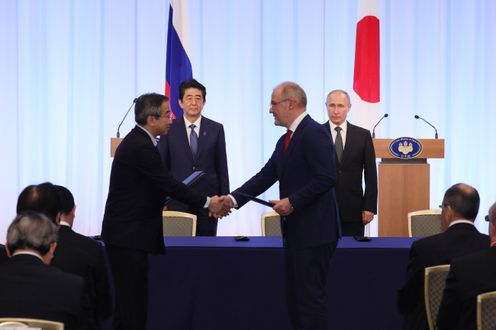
[114,143]
[404,184]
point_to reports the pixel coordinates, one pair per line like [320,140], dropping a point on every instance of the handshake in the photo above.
[221,206]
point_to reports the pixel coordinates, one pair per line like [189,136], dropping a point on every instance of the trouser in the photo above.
[129,270]
[306,279]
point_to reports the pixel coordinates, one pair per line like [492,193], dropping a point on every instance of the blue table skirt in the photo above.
[218,283]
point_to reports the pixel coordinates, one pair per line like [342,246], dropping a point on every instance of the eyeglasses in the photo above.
[442,206]
[486,218]
[273,104]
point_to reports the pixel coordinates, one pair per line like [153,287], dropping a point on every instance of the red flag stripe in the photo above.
[366,82]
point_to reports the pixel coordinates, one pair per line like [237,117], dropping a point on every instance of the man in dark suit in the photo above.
[303,164]
[459,210]
[29,286]
[43,198]
[469,276]
[132,223]
[356,207]
[102,299]
[195,143]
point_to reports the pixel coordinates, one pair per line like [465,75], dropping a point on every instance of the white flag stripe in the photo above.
[364,114]
[367,8]
[179,20]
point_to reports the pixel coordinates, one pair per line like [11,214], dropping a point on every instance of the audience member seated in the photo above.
[43,198]
[469,276]
[93,249]
[459,210]
[29,286]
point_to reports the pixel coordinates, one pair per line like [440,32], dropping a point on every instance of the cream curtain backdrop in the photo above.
[70,69]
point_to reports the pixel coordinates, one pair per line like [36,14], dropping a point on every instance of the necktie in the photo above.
[287,139]
[339,143]
[193,141]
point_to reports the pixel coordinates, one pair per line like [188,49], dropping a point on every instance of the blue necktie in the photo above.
[193,141]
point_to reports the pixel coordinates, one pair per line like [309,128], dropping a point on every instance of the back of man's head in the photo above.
[463,201]
[66,199]
[40,198]
[33,231]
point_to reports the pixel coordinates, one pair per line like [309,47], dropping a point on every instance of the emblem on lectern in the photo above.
[405,147]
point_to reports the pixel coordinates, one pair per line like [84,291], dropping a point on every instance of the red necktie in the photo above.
[287,139]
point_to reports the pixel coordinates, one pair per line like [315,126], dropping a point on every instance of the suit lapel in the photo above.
[203,136]
[349,142]
[295,140]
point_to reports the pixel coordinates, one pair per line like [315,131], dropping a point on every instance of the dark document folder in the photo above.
[255,199]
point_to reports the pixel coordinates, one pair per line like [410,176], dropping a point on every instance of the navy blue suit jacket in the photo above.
[307,174]
[177,158]
[139,187]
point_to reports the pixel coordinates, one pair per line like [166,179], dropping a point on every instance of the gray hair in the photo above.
[31,230]
[148,105]
[342,91]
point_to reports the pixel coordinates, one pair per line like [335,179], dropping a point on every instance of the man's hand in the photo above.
[367,217]
[228,202]
[283,206]
[218,207]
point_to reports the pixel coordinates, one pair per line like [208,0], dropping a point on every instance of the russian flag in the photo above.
[366,78]
[178,65]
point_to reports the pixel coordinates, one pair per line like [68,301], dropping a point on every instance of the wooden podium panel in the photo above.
[404,184]
[403,188]
[114,143]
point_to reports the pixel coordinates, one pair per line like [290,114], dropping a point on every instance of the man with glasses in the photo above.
[303,165]
[132,223]
[196,143]
[459,209]
[469,276]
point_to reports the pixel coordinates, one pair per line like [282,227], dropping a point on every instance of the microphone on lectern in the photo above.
[418,117]
[119,127]
[373,130]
